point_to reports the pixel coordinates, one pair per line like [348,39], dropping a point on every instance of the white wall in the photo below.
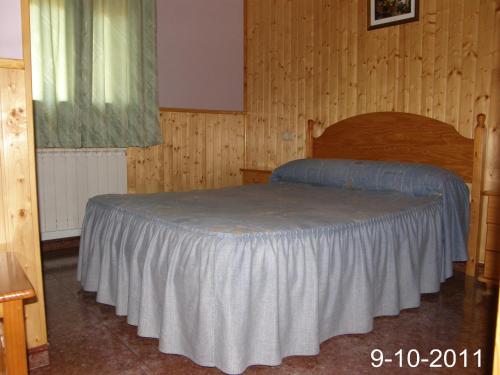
[11,43]
[200,54]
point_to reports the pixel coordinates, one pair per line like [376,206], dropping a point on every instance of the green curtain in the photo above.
[94,73]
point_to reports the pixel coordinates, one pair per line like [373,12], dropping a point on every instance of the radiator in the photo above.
[67,178]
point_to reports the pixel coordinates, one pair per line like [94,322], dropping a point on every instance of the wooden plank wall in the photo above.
[316,59]
[18,205]
[201,150]
[18,201]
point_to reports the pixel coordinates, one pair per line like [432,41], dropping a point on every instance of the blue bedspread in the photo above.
[249,275]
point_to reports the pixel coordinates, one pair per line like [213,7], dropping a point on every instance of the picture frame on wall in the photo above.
[382,13]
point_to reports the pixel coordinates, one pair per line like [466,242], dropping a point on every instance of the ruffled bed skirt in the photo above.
[231,301]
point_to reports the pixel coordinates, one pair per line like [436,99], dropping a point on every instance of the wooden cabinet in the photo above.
[255,176]
[491,274]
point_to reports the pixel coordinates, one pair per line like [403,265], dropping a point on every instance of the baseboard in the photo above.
[61,234]
[59,244]
[38,357]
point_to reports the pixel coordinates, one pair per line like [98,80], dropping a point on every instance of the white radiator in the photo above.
[67,178]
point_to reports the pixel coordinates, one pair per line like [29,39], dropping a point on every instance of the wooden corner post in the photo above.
[480,136]
[309,139]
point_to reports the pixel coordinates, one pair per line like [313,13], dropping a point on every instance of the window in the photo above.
[94,73]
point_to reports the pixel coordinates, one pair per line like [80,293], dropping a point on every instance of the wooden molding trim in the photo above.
[67,243]
[479,158]
[210,111]
[245,54]
[11,64]
[491,193]
[35,313]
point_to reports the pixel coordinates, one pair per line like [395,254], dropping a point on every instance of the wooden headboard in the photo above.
[406,137]
[395,136]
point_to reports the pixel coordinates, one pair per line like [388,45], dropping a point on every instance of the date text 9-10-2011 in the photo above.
[436,358]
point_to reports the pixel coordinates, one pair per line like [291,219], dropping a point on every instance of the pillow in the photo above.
[411,178]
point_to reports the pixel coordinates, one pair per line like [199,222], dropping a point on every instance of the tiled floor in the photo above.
[87,338]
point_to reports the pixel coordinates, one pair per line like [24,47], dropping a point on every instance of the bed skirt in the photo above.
[232,301]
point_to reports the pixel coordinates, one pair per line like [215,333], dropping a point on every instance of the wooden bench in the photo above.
[14,289]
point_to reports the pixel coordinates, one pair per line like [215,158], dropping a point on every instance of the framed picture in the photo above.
[383,13]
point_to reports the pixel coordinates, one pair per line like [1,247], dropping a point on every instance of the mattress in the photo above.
[249,275]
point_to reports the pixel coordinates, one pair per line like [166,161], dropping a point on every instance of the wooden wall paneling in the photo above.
[225,142]
[324,55]
[269,121]
[30,257]
[253,53]
[179,164]
[402,63]
[212,158]
[156,168]
[289,88]
[263,87]
[140,171]
[198,163]
[384,101]
[20,210]
[290,106]
[221,151]
[147,170]
[131,169]
[428,15]
[11,63]
[4,235]
[317,46]
[492,39]
[224,165]
[407,34]
[343,81]
[371,58]
[135,170]
[362,62]
[469,63]
[415,31]
[352,58]
[441,59]
[200,150]
[310,69]
[454,73]
[238,126]
[307,51]
[484,59]
[168,123]
[377,77]
[180,125]
[300,76]
[442,66]
[259,130]
[280,83]
[391,41]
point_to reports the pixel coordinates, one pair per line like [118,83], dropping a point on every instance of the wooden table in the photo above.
[14,289]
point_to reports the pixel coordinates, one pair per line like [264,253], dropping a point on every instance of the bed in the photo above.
[249,275]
